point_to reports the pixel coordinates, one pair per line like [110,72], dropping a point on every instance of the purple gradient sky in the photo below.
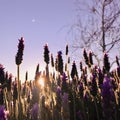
[39,22]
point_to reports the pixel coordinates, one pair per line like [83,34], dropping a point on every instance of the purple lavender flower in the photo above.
[56,63]
[46,54]
[85,57]
[9,81]
[108,100]
[117,61]
[1,96]
[64,83]
[81,66]
[65,106]
[52,60]
[85,80]
[2,74]
[58,98]
[58,90]
[66,50]
[58,81]
[90,58]
[94,88]
[106,62]
[68,60]
[86,98]
[107,92]
[74,71]
[26,76]
[79,115]
[118,71]
[19,55]
[6,75]
[100,77]
[35,112]
[94,70]
[2,113]
[35,95]
[60,62]
[85,70]
[81,89]
[65,97]
[64,77]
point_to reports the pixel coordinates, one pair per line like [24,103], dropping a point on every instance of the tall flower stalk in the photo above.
[18,60]
[108,100]
[2,82]
[74,76]
[66,66]
[106,63]
[117,61]
[26,76]
[74,73]
[60,62]
[47,60]
[52,62]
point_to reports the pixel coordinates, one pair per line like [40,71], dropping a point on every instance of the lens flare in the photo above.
[41,82]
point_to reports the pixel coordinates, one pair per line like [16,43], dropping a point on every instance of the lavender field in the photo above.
[61,94]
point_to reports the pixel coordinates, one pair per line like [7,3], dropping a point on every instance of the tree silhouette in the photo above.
[98,29]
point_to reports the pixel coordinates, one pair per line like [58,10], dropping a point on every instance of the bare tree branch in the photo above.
[100,24]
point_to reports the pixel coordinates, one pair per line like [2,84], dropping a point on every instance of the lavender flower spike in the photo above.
[106,62]
[118,71]
[35,112]
[2,113]
[108,101]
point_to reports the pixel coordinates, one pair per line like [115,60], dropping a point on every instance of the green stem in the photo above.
[74,104]
[19,100]
[4,91]
[96,109]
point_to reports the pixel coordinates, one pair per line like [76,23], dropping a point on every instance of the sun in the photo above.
[41,82]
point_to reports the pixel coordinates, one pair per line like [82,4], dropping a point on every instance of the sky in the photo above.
[39,22]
